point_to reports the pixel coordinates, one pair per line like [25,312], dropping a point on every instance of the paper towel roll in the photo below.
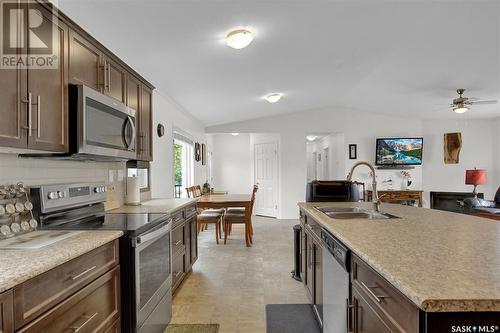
[133,196]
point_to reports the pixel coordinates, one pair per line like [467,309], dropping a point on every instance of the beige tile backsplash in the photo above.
[37,171]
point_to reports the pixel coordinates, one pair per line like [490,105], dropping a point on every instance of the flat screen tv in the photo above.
[399,151]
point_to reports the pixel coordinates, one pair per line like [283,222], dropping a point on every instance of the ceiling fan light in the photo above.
[460,109]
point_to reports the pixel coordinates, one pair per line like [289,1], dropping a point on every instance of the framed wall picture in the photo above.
[197,152]
[353,151]
[203,154]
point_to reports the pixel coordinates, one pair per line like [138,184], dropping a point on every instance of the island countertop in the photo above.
[441,261]
[160,206]
[18,266]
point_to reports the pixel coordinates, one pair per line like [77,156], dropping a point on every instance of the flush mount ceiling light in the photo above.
[461,109]
[239,38]
[235,134]
[273,98]
[311,137]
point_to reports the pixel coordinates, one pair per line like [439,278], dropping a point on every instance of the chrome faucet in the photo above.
[375,198]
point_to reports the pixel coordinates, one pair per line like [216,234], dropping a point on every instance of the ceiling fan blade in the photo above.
[485,102]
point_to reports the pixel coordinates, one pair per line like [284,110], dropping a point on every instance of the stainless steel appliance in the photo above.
[101,126]
[336,303]
[145,248]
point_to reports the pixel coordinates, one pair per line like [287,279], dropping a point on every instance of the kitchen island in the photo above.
[444,264]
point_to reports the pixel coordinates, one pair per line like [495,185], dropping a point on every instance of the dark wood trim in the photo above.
[6,312]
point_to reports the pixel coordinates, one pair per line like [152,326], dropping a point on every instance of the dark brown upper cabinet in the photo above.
[85,62]
[145,135]
[115,80]
[34,108]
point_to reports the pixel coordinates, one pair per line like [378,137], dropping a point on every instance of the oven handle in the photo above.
[152,235]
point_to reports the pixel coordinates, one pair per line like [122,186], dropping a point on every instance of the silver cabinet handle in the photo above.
[109,77]
[76,277]
[178,242]
[77,329]
[105,75]
[178,273]
[378,299]
[39,114]
[29,102]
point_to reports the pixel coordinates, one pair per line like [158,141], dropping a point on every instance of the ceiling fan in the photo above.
[462,104]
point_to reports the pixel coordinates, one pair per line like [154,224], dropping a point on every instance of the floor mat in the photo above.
[192,328]
[291,318]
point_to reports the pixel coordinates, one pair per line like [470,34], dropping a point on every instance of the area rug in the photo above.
[291,318]
[192,328]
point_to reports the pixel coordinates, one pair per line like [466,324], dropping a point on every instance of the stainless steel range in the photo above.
[145,260]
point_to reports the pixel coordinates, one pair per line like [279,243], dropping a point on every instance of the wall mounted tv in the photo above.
[399,151]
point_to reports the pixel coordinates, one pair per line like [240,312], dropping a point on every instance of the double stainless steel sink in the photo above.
[349,213]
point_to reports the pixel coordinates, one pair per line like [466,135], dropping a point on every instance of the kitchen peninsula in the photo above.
[423,271]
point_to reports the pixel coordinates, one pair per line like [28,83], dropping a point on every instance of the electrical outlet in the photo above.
[111,189]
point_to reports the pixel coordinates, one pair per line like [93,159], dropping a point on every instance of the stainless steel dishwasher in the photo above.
[336,260]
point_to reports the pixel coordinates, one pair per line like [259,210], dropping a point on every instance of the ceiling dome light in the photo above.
[235,134]
[311,137]
[238,39]
[461,109]
[273,98]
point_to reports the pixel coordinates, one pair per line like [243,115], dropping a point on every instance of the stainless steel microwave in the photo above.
[101,128]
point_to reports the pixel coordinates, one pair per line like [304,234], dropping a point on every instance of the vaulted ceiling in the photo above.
[403,57]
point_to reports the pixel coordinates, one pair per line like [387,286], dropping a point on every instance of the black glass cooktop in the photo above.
[132,223]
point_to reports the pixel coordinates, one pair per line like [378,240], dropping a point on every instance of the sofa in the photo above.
[484,206]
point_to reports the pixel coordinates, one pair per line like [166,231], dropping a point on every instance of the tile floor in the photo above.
[231,284]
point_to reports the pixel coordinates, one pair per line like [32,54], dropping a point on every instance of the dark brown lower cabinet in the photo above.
[95,308]
[365,319]
[184,244]
[6,312]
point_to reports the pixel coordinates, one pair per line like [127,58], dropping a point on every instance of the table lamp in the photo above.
[475,177]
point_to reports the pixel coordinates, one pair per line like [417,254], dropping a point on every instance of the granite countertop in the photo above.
[160,206]
[442,261]
[18,266]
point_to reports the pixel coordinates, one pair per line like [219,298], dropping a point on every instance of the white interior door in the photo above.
[266,177]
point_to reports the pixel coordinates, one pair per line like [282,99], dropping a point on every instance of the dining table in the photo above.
[207,201]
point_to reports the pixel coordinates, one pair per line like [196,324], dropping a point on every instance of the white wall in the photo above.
[172,116]
[231,162]
[479,149]
[358,127]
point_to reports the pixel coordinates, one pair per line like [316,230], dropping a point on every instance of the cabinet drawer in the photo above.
[116,328]
[390,304]
[177,217]
[93,309]
[177,240]
[190,210]
[37,295]
[177,270]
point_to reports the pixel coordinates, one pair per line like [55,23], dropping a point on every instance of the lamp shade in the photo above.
[475,177]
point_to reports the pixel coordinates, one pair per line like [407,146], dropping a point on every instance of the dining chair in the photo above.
[195,192]
[205,218]
[239,218]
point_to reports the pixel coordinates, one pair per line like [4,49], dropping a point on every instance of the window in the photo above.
[183,164]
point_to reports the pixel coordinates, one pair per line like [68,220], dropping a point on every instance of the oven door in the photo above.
[153,275]
[106,127]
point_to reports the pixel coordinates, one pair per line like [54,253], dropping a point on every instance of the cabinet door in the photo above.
[115,80]
[194,241]
[84,62]
[309,277]
[13,106]
[318,280]
[6,312]
[145,148]
[48,87]
[365,319]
